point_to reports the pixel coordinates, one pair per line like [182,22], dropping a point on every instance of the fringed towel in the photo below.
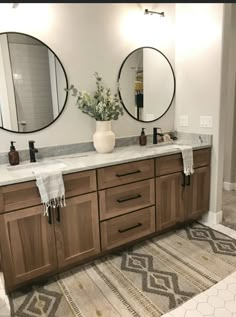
[51,188]
[187,155]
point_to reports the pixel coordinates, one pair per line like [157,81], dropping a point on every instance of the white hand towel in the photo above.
[187,155]
[51,188]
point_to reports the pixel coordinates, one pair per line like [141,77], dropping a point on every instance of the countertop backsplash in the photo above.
[194,138]
[54,151]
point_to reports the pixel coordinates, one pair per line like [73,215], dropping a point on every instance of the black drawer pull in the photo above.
[58,214]
[183,180]
[121,200]
[129,173]
[49,215]
[130,228]
[188,180]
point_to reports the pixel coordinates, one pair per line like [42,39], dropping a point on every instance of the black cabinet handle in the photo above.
[130,228]
[129,173]
[49,215]
[183,179]
[121,200]
[188,180]
[58,214]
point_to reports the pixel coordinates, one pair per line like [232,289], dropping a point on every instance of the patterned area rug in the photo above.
[148,279]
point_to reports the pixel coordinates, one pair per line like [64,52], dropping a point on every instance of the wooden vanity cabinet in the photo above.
[127,210]
[77,230]
[133,201]
[128,227]
[125,173]
[119,200]
[169,200]
[23,195]
[197,193]
[32,247]
[181,198]
[28,247]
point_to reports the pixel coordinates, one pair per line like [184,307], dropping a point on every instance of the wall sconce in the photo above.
[146,11]
[15,5]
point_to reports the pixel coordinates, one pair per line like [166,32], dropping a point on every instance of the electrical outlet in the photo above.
[206,121]
[183,121]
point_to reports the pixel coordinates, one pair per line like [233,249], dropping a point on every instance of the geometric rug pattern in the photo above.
[219,244]
[40,302]
[147,279]
[155,281]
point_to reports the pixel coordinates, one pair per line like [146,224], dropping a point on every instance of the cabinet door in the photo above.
[77,230]
[197,193]
[169,200]
[28,248]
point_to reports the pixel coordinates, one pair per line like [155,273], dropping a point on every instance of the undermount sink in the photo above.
[37,165]
[59,163]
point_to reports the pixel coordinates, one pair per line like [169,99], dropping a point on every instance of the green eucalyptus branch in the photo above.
[102,106]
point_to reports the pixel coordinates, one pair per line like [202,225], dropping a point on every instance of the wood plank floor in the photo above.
[229,209]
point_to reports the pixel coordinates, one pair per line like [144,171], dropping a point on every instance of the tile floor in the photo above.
[217,301]
[4,303]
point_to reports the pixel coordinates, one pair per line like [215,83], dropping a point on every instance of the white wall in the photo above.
[230,108]
[233,171]
[198,64]
[89,38]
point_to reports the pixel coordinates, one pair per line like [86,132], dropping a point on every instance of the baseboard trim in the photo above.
[212,217]
[229,186]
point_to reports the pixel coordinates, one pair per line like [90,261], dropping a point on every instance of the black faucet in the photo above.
[32,151]
[155,134]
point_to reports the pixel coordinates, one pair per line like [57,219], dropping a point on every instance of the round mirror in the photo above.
[32,84]
[146,84]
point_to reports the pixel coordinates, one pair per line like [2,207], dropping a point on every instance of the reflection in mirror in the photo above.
[146,84]
[32,83]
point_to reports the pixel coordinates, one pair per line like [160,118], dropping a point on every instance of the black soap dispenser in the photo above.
[143,138]
[13,155]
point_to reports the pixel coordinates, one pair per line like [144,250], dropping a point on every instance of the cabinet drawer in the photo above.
[23,195]
[174,163]
[80,183]
[122,199]
[18,196]
[120,230]
[125,173]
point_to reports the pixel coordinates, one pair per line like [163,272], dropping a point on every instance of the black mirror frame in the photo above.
[63,108]
[118,86]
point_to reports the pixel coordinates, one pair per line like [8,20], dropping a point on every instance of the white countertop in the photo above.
[86,161]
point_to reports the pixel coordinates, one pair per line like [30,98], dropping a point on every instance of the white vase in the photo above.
[104,137]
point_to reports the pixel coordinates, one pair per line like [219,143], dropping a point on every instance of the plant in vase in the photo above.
[103,107]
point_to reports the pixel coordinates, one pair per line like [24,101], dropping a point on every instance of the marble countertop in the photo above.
[88,160]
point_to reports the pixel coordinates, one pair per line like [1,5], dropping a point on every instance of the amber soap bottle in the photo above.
[143,138]
[13,155]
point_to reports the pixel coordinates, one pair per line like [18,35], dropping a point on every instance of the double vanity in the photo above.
[112,200]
